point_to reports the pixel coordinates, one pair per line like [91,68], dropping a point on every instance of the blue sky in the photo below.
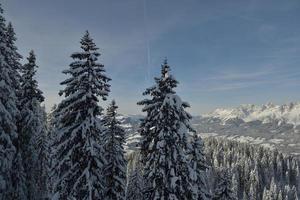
[224,53]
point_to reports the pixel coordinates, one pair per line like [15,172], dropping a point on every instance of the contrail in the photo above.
[147,42]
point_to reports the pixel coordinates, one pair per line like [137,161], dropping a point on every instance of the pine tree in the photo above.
[223,190]
[280,197]
[134,188]
[13,60]
[31,127]
[273,189]
[235,186]
[8,116]
[42,155]
[252,192]
[198,169]
[292,195]
[14,57]
[115,168]
[79,159]
[51,138]
[164,133]
[266,195]
[254,182]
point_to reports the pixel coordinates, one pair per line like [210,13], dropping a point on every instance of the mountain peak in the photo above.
[289,113]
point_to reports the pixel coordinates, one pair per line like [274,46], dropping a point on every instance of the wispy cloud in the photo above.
[233,80]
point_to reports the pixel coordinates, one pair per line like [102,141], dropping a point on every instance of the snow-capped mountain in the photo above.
[274,126]
[130,123]
[288,113]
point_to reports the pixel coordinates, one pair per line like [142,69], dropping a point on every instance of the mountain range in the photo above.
[269,125]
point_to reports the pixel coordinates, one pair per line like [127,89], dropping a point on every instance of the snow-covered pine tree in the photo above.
[280,197]
[198,169]
[51,138]
[115,168]
[292,195]
[31,127]
[14,57]
[134,188]
[42,169]
[223,190]
[235,186]
[164,133]
[13,60]
[273,189]
[266,195]
[8,115]
[252,192]
[254,183]
[78,152]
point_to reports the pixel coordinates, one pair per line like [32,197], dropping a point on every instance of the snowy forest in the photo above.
[76,151]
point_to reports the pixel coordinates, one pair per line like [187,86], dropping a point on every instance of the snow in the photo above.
[276,141]
[289,113]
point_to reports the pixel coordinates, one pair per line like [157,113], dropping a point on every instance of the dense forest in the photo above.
[247,171]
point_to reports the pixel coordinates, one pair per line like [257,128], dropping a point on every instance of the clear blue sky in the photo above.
[224,53]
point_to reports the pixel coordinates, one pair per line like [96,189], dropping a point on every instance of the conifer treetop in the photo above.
[78,153]
[29,85]
[85,70]
[11,38]
[165,68]
[14,57]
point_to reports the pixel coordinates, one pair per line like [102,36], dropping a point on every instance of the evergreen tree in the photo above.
[13,60]
[254,182]
[223,189]
[115,168]
[8,116]
[14,57]
[77,171]
[51,138]
[164,133]
[198,169]
[252,192]
[31,127]
[42,169]
[266,195]
[280,197]
[292,195]
[273,189]
[235,186]
[134,188]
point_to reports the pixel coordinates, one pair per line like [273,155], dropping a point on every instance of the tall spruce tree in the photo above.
[198,169]
[31,127]
[51,138]
[14,57]
[115,168]
[42,158]
[223,190]
[164,133]
[8,114]
[13,60]
[78,152]
[134,188]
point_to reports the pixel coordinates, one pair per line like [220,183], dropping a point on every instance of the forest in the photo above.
[76,151]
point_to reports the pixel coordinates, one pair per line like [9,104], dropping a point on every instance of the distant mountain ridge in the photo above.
[269,125]
[288,113]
